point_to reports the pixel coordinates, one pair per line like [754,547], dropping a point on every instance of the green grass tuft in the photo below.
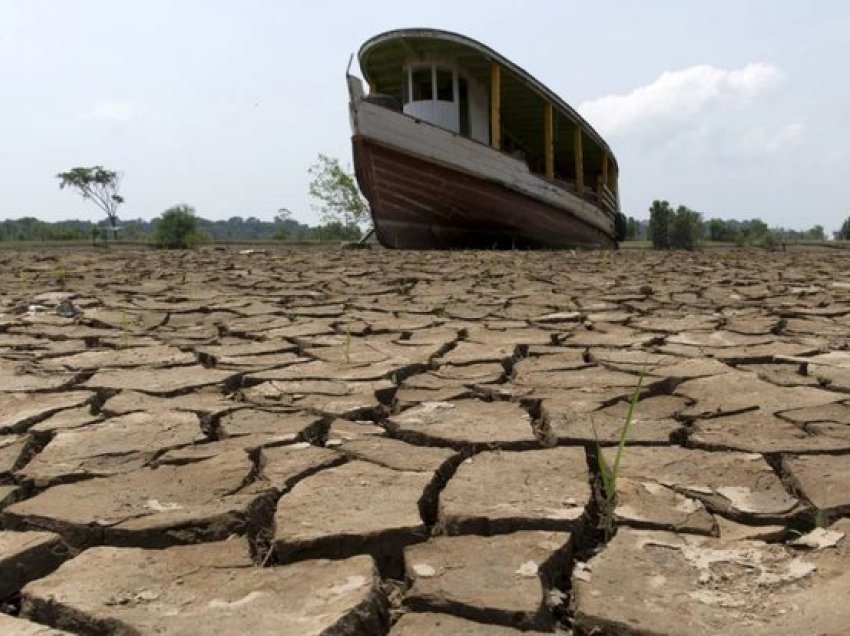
[609,474]
[347,344]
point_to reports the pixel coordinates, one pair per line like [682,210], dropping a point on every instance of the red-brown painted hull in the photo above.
[418,204]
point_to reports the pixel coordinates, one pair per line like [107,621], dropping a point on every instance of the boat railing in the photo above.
[607,198]
[603,197]
[384,101]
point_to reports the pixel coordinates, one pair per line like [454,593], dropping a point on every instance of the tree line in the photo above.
[235,228]
[684,228]
[343,211]
[345,214]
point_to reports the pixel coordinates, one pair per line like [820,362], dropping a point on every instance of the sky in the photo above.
[737,109]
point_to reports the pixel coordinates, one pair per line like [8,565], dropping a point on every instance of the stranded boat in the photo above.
[455,146]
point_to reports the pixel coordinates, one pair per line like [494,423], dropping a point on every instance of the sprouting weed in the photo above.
[608,474]
[821,517]
[60,274]
[346,347]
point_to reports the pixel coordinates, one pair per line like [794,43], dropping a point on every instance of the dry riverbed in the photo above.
[318,441]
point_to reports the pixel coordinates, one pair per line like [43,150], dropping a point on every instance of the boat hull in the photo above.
[418,203]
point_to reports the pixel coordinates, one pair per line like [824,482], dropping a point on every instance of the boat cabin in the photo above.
[464,87]
[441,93]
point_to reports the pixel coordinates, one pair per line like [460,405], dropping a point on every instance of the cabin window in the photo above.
[421,84]
[463,105]
[445,85]
[439,94]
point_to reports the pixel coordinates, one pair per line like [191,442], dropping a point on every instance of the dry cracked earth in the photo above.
[305,441]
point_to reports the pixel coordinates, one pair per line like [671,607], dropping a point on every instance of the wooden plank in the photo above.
[607,198]
[495,106]
[548,139]
[454,206]
[579,161]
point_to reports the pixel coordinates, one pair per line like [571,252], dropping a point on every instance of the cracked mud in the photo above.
[320,441]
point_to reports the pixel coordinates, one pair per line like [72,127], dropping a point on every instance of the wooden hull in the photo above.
[418,203]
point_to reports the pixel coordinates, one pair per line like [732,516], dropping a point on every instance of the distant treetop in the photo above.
[99,185]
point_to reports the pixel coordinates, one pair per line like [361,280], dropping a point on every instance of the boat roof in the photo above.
[381,56]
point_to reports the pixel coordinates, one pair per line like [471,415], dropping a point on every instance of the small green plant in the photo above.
[405,284]
[60,275]
[608,474]
[821,516]
[346,346]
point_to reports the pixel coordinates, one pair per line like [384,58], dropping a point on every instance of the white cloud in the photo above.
[772,139]
[679,98]
[705,136]
[120,112]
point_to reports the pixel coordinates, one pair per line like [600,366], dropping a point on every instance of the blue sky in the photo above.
[737,109]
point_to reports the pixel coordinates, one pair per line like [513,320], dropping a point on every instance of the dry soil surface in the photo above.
[340,442]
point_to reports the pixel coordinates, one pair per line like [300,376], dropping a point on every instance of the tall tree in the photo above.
[281,220]
[632,228]
[816,233]
[718,230]
[283,215]
[99,185]
[621,226]
[685,229]
[844,232]
[335,189]
[660,216]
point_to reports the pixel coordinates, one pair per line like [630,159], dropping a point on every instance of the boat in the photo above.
[457,147]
